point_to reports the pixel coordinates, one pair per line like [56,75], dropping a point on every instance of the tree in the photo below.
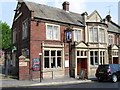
[5,35]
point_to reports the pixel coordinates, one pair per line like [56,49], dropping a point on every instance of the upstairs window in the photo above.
[25,29]
[77,35]
[93,35]
[52,32]
[110,39]
[14,36]
[101,35]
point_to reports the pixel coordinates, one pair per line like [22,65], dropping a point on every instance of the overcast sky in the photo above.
[7,7]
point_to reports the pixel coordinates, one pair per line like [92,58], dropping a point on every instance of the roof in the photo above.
[113,27]
[55,14]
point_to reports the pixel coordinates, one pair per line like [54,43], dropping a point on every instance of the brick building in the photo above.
[41,29]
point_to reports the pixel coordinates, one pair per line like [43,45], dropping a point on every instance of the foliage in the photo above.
[5,35]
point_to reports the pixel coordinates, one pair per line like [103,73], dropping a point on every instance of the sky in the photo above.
[103,7]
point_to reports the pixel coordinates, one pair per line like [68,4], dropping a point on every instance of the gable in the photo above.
[114,47]
[81,45]
[94,17]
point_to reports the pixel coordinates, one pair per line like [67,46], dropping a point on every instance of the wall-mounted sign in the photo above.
[66,63]
[69,36]
[22,63]
[36,64]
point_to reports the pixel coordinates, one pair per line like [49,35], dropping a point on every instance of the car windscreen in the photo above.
[103,67]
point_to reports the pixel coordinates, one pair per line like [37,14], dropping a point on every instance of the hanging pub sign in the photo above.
[69,36]
[36,64]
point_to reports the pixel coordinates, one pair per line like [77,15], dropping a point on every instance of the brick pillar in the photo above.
[110,54]
[23,68]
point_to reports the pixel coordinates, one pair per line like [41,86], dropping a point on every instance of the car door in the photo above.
[119,71]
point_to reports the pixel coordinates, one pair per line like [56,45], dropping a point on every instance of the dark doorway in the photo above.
[81,64]
[115,60]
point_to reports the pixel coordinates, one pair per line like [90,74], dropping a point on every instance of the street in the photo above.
[93,84]
[89,86]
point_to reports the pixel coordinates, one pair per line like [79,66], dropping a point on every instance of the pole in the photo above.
[40,69]
[69,61]
[40,54]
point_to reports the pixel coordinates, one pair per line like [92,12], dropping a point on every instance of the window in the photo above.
[94,57]
[101,35]
[115,53]
[93,35]
[46,59]
[110,39]
[25,52]
[52,58]
[102,57]
[52,32]
[14,36]
[77,35]
[82,53]
[25,29]
[117,39]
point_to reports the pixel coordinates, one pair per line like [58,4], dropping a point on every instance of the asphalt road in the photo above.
[94,85]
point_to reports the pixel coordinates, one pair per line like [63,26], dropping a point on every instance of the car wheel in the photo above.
[99,80]
[114,78]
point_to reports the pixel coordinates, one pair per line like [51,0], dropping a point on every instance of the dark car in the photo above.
[108,72]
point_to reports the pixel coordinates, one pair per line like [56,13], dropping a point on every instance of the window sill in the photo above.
[52,69]
[93,66]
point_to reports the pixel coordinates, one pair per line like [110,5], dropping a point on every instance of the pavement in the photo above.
[9,81]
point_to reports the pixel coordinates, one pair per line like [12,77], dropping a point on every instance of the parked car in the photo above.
[108,72]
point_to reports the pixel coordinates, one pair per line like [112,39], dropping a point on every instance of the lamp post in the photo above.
[68,35]
[40,54]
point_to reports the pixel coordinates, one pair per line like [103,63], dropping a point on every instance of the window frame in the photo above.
[14,36]
[93,36]
[52,32]
[110,39]
[25,29]
[56,56]
[78,39]
[101,34]
[94,56]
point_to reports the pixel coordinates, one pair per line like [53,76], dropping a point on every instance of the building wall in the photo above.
[21,14]
[38,43]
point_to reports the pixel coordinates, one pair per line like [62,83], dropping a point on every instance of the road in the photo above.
[93,84]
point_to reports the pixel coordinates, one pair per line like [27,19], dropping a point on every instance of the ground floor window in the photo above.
[52,58]
[93,57]
[102,57]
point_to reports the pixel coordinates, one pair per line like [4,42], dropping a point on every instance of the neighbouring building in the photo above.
[41,29]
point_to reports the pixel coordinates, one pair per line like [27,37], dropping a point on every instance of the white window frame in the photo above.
[77,37]
[94,63]
[110,39]
[101,35]
[25,29]
[51,37]
[51,57]
[102,57]
[92,35]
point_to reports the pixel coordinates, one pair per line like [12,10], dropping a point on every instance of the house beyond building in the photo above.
[41,29]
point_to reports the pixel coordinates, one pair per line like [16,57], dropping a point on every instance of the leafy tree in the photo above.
[5,35]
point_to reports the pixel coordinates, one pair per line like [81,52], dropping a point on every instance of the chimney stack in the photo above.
[65,6]
[108,17]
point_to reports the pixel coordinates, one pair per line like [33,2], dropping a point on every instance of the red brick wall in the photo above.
[37,35]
